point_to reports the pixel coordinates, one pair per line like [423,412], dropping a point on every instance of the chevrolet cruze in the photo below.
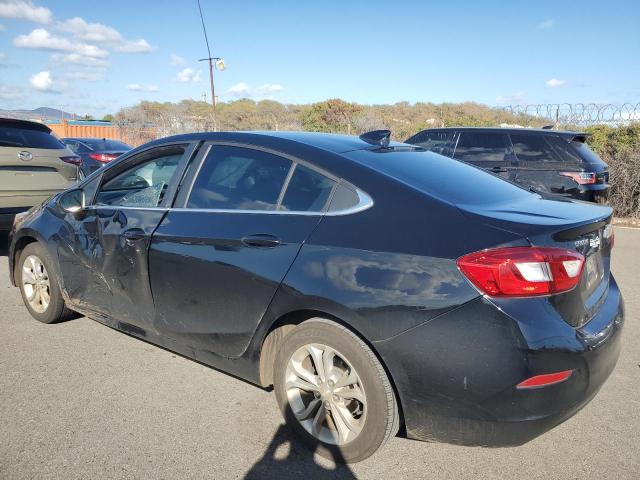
[378,287]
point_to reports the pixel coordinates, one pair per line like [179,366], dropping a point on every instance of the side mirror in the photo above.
[72,201]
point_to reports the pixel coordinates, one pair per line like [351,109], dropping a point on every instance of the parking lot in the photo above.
[79,400]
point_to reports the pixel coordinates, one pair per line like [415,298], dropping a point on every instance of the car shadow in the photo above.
[295,462]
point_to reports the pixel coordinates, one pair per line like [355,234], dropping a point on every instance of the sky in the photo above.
[99,56]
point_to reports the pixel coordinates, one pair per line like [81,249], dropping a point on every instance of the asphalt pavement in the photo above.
[79,400]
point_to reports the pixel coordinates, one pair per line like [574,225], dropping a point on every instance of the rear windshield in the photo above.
[449,180]
[26,138]
[101,145]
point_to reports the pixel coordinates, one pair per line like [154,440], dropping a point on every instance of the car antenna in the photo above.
[380,138]
[548,127]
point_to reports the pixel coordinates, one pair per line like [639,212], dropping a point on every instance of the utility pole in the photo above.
[219,64]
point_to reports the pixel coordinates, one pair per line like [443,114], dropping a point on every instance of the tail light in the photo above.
[523,271]
[73,160]
[581,178]
[103,157]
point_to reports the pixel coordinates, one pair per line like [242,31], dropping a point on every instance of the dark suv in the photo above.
[546,161]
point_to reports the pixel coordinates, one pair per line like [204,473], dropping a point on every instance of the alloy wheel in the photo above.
[35,284]
[325,394]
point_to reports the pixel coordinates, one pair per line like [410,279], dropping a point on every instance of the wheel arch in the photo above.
[285,323]
[19,245]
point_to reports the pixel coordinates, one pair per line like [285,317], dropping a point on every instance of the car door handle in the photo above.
[497,169]
[133,235]
[261,240]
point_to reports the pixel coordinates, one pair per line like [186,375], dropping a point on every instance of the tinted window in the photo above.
[481,147]
[446,179]
[434,141]
[25,138]
[542,148]
[101,145]
[343,199]
[234,178]
[143,185]
[308,191]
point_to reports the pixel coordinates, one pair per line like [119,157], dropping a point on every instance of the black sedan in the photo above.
[95,152]
[375,285]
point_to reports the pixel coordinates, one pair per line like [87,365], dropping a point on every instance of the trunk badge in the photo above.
[25,156]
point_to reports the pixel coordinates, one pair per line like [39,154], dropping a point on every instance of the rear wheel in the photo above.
[39,286]
[333,391]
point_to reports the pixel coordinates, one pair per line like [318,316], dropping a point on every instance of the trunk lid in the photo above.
[571,225]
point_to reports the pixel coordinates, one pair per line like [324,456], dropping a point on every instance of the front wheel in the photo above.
[333,391]
[39,286]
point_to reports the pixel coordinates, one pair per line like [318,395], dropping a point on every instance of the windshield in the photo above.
[106,144]
[441,177]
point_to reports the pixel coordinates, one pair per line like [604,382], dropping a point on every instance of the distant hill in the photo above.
[43,113]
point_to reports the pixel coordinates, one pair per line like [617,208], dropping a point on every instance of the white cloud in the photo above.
[25,10]
[1,28]
[513,99]
[177,60]
[271,88]
[555,83]
[239,90]
[547,24]
[60,59]
[42,81]
[86,75]
[103,35]
[135,87]
[2,56]
[189,75]
[41,39]
[242,90]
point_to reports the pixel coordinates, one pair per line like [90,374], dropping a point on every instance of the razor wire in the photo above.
[580,114]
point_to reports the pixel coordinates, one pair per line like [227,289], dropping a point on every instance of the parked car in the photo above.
[95,152]
[371,292]
[547,161]
[34,165]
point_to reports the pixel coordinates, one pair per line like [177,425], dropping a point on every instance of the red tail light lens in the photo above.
[545,380]
[523,271]
[73,160]
[581,178]
[103,157]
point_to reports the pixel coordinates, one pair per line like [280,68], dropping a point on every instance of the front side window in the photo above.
[143,185]
[308,191]
[474,147]
[236,178]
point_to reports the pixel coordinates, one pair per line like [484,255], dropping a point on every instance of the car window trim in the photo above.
[185,190]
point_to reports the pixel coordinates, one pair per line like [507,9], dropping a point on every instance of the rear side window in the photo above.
[437,142]
[540,149]
[476,147]
[236,178]
[26,138]
[308,191]
[343,199]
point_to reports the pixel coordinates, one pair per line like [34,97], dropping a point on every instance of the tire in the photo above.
[368,406]
[31,259]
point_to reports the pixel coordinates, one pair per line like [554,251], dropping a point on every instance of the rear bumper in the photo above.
[456,374]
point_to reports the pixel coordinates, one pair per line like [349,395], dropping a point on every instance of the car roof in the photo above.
[568,133]
[92,139]
[25,124]
[331,142]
